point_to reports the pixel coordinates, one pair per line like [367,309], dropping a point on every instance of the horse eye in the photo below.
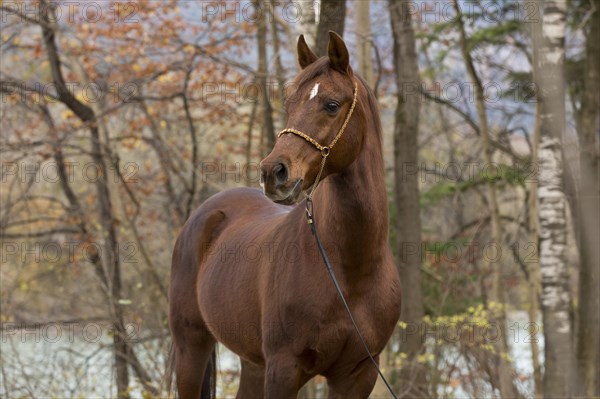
[332,107]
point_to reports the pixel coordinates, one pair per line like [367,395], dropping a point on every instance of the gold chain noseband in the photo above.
[325,150]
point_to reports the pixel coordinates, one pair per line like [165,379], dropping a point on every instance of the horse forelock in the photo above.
[312,71]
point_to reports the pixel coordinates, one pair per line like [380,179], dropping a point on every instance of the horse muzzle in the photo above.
[276,185]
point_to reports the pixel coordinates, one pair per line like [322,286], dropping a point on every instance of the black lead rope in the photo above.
[310,217]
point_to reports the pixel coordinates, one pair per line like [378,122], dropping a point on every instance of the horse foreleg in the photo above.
[283,377]
[252,381]
[356,384]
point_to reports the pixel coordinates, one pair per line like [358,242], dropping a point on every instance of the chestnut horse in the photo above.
[246,270]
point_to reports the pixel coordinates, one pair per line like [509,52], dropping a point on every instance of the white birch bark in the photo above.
[555,297]
[307,25]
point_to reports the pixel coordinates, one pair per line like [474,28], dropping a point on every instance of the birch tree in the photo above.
[555,296]
[533,220]
[307,25]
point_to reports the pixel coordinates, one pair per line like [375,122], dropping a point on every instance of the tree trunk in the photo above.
[363,31]
[249,140]
[268,126]
[331,17]
[533,261]
[555,295]
[588,333]
[279,72]
[110,258]
[534,283]
[406,196]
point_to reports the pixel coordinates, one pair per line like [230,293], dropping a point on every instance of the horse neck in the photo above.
[351,209]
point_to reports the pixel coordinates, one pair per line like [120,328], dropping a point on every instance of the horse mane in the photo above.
[373,106]
[322,67]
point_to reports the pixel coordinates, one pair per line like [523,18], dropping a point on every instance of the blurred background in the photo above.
[120,118]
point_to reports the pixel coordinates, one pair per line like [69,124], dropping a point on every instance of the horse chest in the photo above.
[375,319]
[321,334]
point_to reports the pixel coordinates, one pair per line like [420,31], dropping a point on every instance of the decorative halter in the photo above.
[325,150]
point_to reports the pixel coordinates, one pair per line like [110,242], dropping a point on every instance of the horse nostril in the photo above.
[281,173]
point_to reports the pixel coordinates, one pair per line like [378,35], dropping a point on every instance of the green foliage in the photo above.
[435,33]
[438,192]
[450,281]
[521,87]
[454,294]
[494,34]
[497,173]
[579,11]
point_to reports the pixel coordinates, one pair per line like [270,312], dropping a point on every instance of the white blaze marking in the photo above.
[314,91]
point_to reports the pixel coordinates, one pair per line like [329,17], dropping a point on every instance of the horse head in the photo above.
[325,123]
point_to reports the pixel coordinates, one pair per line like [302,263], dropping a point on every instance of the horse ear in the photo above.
[305,55]
[338,53]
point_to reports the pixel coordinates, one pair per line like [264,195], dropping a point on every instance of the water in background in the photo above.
[61,361]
